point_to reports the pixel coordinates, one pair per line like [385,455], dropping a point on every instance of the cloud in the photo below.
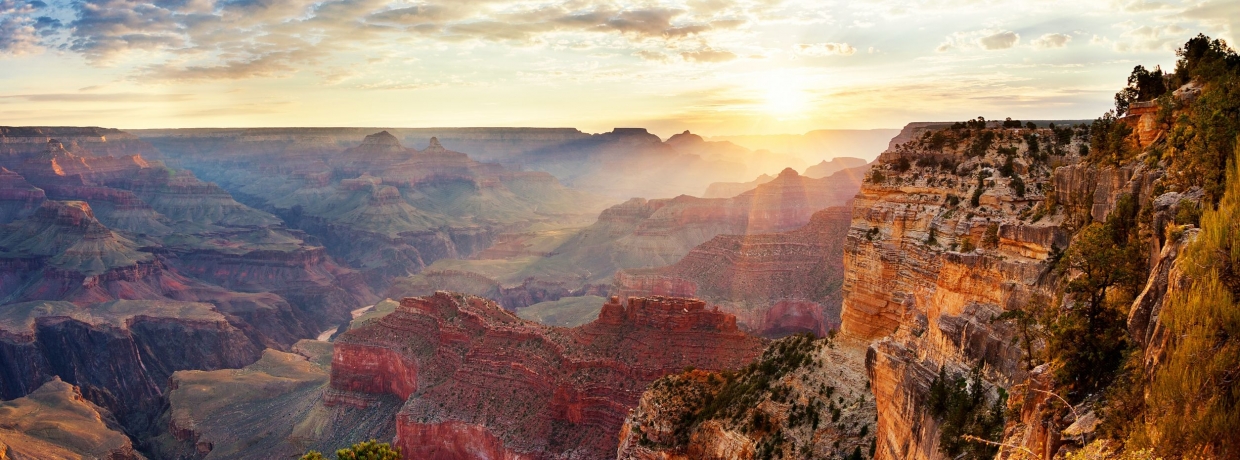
[651,55]
[1151,38]
[100,97]
[1047,41]
[708,55]
[999,40]
[18,29]
[184,40]
[987,39]
[824,49]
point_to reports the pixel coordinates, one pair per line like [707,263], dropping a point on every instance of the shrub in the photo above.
[367,450]
[990,239]
[966,245]
[1018,186]
[1194,397]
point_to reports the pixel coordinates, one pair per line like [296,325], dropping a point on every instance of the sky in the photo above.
[715,67]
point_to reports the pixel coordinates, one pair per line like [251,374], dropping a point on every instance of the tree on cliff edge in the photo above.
[368,450]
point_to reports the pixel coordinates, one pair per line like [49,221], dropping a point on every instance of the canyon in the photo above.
[481,382]
[775,283]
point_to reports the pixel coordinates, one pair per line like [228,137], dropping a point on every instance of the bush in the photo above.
[991,239]
[1194,397]
[966,245]
[368,450]
[1018,186]
[1108,140]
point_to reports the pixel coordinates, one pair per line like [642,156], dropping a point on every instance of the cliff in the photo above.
[918,290]
[272,408]
[378,206]
[55,421]
[776,284]
[142,342]
[802,398]
[116,271]
[651,233]
[490,384]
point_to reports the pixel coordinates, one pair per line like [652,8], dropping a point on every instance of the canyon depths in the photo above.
[121,268]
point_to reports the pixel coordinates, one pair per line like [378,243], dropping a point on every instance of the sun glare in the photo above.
[785,98]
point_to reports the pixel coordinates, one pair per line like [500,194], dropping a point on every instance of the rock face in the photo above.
[482,383]
[803,398]
[776,284]
[116,271]
[272,408]
[55,421]
[142,342]
[651,233]
[924,303]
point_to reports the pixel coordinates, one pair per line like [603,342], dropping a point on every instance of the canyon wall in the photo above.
[953,229]
[492,385]
[776,283]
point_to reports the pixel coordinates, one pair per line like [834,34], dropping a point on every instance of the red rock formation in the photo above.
[776,284]
[491,385]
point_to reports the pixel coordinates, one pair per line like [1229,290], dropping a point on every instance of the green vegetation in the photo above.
[1143,85]
[1194,398]
[960,406]
[976,199]
[367,450]
[1089,339]
[1189,404]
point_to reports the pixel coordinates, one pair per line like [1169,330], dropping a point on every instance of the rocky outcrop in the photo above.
[142,342]
[492,385]
[803,398]
[272,408]
[776,284]
[922,300]
[55,421]
[731,189]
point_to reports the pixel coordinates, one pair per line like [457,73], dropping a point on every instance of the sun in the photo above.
[785,97]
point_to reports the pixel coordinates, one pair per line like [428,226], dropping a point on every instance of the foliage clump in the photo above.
[963,410]
[1193,407]
[366,450]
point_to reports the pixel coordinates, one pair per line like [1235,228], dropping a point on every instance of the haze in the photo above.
[712,66]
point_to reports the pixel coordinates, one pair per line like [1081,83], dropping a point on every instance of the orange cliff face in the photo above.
[491,385]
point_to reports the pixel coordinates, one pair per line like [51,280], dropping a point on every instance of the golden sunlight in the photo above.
[785,97]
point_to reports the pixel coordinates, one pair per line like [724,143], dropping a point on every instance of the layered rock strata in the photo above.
[776,284]
[481,382]
[953,229]
[652,233]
